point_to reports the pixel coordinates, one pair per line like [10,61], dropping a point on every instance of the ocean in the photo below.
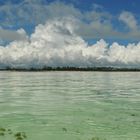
[69,105]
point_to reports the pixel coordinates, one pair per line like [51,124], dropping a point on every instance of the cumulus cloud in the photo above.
[129,19]
[55,43]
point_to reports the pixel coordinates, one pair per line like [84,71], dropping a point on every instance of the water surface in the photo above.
[71,105]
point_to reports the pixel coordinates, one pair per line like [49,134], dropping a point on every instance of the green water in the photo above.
[71,105]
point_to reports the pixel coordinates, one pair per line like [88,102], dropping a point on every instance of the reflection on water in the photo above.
[71,105]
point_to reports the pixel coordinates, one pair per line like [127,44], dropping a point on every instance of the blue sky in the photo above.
[112,20]
[114,6]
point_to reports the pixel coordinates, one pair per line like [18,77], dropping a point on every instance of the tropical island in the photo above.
[107,69]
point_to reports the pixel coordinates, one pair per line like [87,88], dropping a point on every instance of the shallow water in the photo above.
[71,105]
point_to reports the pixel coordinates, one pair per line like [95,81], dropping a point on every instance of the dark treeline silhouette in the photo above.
[71,69]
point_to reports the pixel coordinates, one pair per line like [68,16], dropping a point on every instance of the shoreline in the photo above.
[94,69]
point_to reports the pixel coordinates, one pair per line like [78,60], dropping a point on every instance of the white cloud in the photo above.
[56,44]
[129,19]
[97,6]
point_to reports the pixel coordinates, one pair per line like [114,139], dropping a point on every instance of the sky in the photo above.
[104,31]
[108,19]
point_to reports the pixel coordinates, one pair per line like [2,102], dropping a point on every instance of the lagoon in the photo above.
[72,105]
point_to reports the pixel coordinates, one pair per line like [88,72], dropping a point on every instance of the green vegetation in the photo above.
[96,138]
[2,131]
[22,135]
[64,129]
[17,135]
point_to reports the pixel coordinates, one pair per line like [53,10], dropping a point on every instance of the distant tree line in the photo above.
[72,69]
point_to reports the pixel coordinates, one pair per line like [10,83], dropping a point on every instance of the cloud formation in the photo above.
[95,23]
[10,35]
[129,19]
[56,43]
